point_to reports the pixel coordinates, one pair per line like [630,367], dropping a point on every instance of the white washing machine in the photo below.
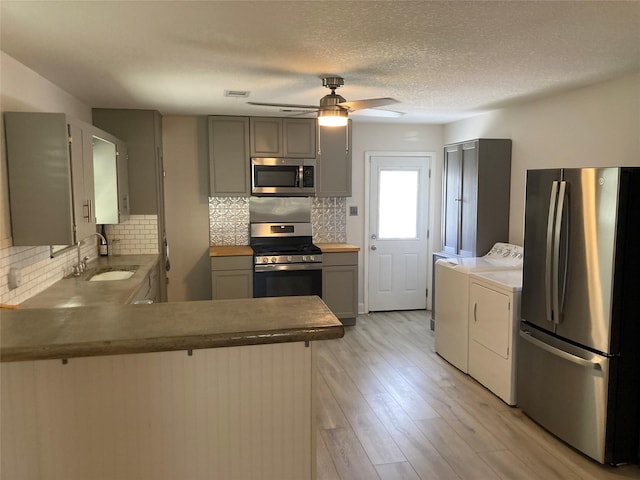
[452,298]
[494,316]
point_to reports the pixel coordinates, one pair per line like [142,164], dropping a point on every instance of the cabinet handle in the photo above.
[458,199]
[475,310]
[87,205]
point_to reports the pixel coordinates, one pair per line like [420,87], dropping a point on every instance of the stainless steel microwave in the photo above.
[285,177]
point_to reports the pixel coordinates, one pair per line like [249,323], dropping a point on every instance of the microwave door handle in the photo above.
[299,176]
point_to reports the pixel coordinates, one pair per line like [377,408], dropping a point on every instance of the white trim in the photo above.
[431,162]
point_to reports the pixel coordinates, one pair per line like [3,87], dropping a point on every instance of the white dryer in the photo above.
[452,298]
[494,317]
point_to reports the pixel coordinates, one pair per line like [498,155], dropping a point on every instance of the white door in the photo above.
[398,232]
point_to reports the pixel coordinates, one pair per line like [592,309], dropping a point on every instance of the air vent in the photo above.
[236,93]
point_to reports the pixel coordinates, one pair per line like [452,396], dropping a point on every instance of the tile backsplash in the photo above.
[229,220]
[139,234]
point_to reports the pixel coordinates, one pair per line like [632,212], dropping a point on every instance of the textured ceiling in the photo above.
[442,60]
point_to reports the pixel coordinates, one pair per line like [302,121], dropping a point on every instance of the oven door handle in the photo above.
[287,267]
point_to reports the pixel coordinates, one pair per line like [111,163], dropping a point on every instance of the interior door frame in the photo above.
[431,163]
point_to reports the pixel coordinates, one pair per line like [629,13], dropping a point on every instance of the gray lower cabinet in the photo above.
[340,285]
[231,277]
[229,174]
[50,170]
[334,162]
[150,288]
[283,137]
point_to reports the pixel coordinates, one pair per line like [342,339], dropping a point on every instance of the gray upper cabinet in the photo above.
[283,137]
[229,156]
[334,162]
[299,137]
[476,186]
[50,170]
[142,132]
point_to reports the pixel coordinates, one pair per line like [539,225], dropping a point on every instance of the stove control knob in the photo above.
[312,258]
[289,259]
[273,259]
[265,260]
[305,258]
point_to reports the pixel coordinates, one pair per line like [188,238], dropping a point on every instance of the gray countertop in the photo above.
[77,291]
[61,333]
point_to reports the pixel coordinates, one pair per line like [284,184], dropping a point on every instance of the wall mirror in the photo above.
[105,175]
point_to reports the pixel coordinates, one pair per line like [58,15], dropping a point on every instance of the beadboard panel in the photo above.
[232,413]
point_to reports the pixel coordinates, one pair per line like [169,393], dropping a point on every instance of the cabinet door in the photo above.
[299,137]
[39,172]
[334,163]
[340,284]
[229,156]
[229,284]
[82,179]
[123,180]
[469,203]
[266,137]
[452,198]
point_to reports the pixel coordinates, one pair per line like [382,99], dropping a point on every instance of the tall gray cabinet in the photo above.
[142,131]
[476,186]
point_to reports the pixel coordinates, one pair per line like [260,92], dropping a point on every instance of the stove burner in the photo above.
[274,244]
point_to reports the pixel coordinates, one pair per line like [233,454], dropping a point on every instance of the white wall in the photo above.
[387,137]
[593,126]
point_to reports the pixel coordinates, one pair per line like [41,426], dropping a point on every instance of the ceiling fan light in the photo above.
[333,118]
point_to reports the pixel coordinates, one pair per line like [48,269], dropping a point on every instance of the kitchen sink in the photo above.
[109,274]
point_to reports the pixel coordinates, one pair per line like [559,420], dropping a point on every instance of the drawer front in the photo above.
[339,258]
[243,262]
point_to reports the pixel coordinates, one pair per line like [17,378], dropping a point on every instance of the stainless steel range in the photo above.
[286,262]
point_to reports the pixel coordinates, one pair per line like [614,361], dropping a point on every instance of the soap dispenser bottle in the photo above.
[103,248]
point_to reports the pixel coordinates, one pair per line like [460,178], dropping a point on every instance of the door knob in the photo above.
[373,247]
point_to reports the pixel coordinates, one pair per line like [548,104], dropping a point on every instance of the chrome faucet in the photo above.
[82,263]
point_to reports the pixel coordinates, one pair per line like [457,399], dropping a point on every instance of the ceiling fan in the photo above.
[333,110]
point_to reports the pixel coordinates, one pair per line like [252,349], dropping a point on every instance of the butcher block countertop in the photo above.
[62,333]
[230,251]
[337,247]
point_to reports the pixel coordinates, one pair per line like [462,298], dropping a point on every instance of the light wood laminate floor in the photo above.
[390,408]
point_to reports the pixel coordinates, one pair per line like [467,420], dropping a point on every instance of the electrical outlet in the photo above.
[15,278]
[353,211]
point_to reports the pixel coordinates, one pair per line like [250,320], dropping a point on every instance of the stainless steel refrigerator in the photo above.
[579,344]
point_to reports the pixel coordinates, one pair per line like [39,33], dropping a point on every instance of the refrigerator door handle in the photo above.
[548,284]
[556,252]
[593,364]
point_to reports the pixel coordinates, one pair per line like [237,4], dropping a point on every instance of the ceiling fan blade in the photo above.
[378,112]
[368,103]
[284,105]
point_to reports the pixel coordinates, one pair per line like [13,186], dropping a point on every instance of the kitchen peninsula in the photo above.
[210,389]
